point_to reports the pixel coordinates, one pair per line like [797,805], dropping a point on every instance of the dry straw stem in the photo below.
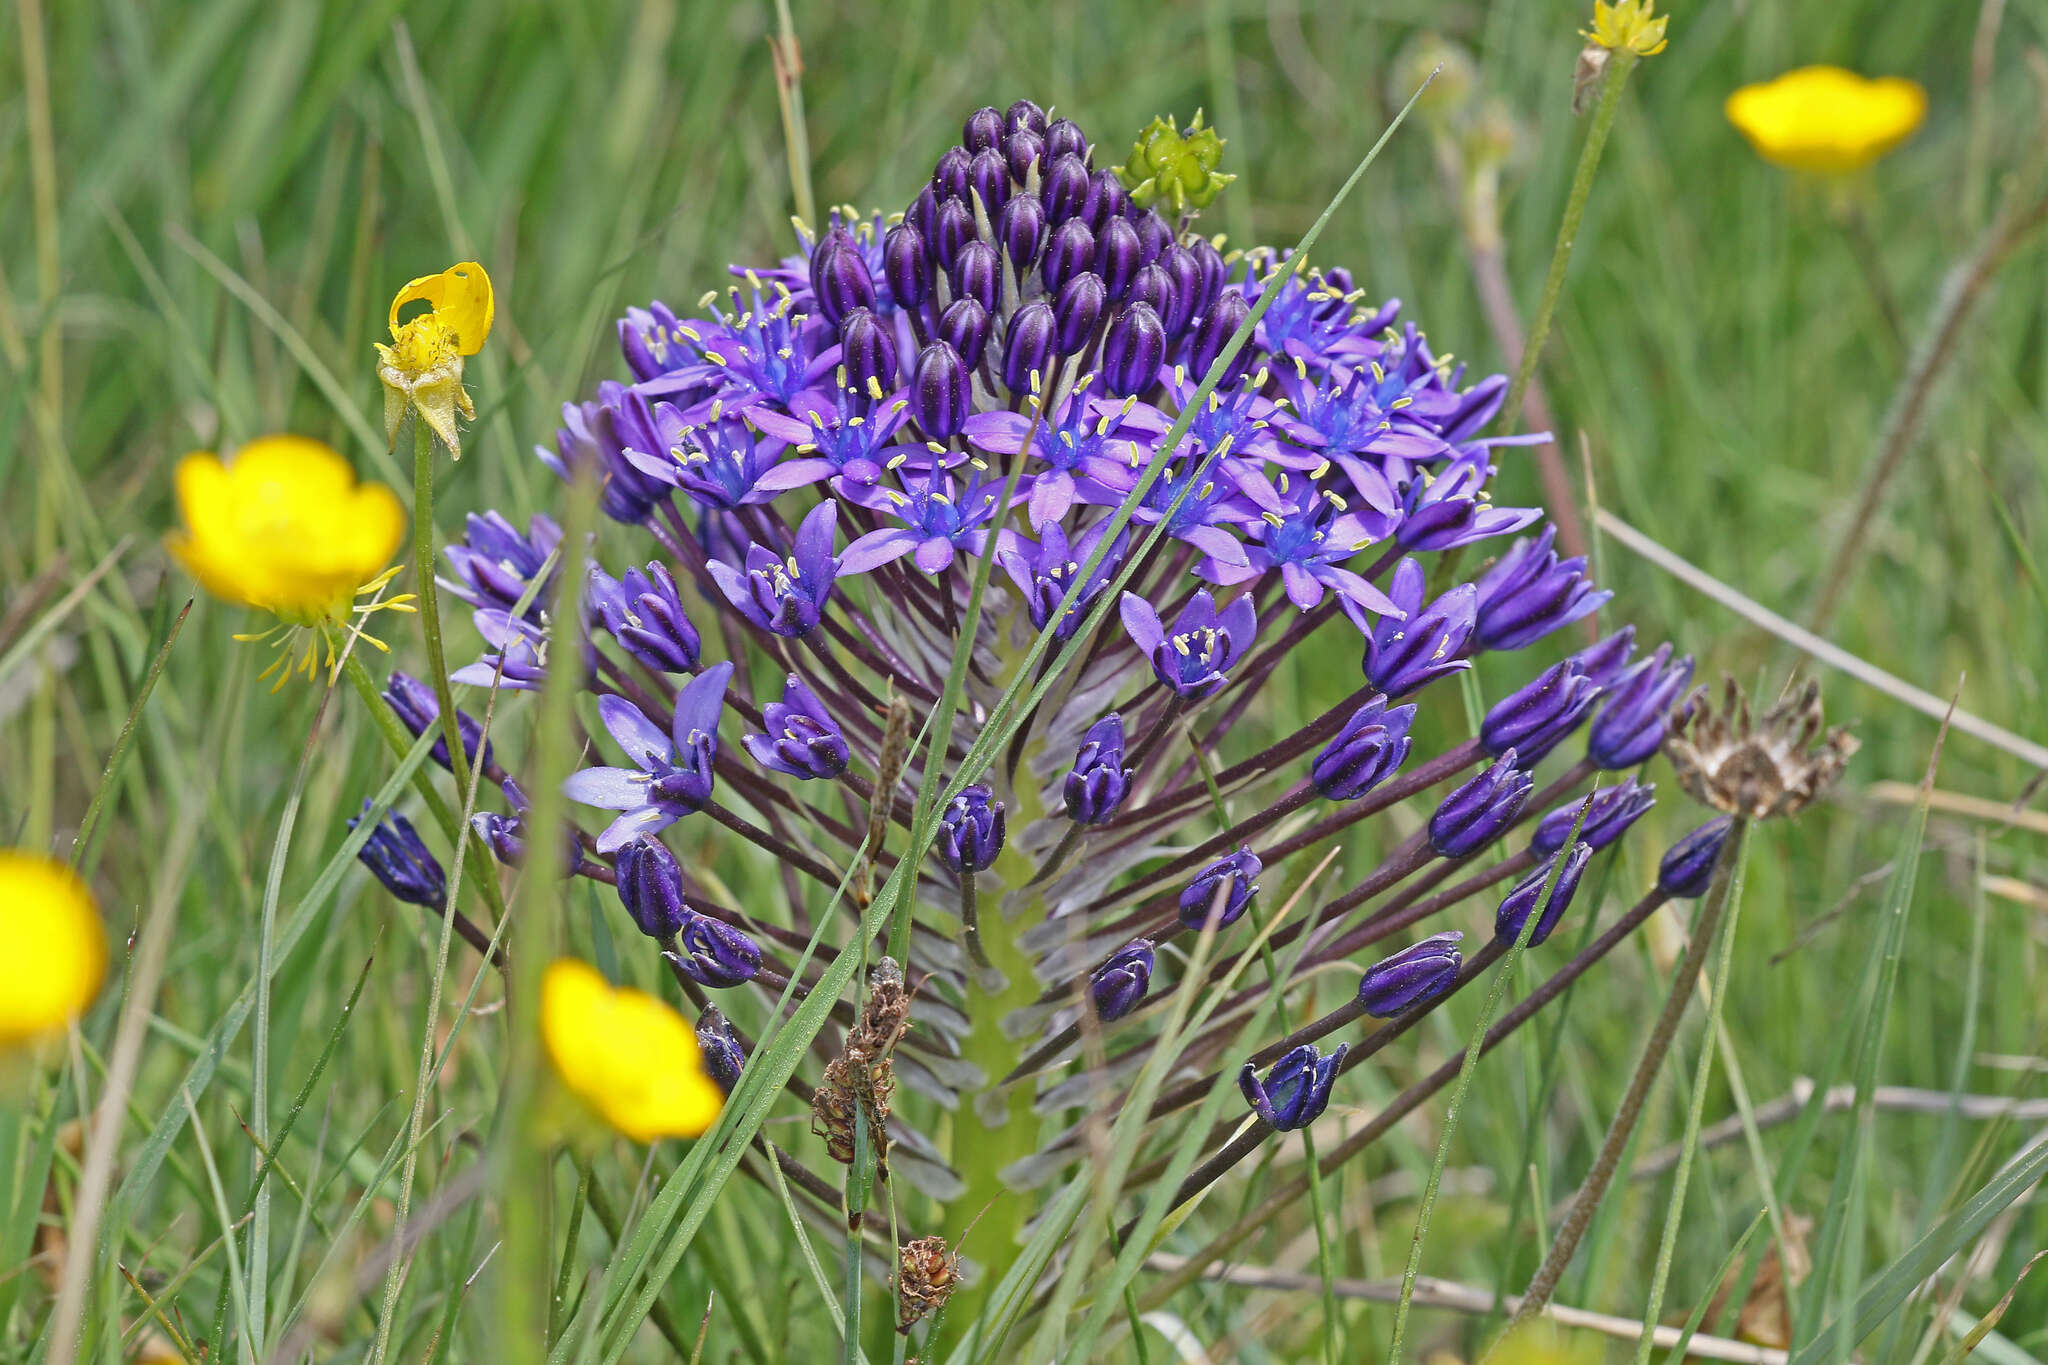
[1926,703]
[1431,1292]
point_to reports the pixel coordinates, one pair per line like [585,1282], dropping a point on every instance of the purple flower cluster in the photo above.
[1024,367]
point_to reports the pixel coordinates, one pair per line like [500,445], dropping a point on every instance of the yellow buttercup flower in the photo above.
[628,1056]
[1827,120]
[56,950]
[285,527]
[422,367]
[1627,25]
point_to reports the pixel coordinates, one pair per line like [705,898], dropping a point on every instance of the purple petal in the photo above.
[877,548]
[934,555]
[644,741]
[607,788]
[634,824]
[699,702]
[1142,623]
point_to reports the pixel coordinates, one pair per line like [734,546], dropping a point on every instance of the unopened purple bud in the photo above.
[1372,744]
[952,228]
[1099,781]
[1063,137]
[724,1058]
[1632,721]
[1214,271]
[1521,902]
[1687,870]
[923,209]
[1107,198]
[1481,810]
[1533,719]
[949,177]
[1153,234]
[1186,278]
[651,888]
[978,274]
[1132,351]
[1296,1091]
[417,708]
[1069,251]
[505,835]
[941,395]
[1118,254]
[839,276]
[1605,660]
[907,265]
[1153,287]
[971,830]
[1021,115]
[868,350]
[1028,348]
[1066,185]
[401,862]
[984,128]
[1614,810]
[989,178]
[1119,985]
[965,327]
[1023,150]
[1213,331]
[713,953]
[1076,311]
[1221,891]
[1530,592]
[1416,975]
[1020,227]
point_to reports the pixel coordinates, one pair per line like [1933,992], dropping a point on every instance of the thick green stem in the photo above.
[1620,64]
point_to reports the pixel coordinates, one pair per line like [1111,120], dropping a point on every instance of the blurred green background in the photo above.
[234,188]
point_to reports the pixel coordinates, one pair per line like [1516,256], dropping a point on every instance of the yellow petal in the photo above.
[1827,120]
[56,949]
[626,1054]
[460,298]
[285,527]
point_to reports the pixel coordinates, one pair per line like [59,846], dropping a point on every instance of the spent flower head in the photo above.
[421,369]
[1175,169]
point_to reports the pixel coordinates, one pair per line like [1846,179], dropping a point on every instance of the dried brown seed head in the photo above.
[1757,767]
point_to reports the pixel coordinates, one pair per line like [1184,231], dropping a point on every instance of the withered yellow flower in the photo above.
[56,949]
[628,1056]
[422,367]
[1628,25]
[1825,119]
[285,527]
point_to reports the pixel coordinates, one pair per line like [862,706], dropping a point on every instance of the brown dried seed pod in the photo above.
[1759,767]
[926,1276]
[832,1109]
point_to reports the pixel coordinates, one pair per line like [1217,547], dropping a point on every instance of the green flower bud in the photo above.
[1174,170]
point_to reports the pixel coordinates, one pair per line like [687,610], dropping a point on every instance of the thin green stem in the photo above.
[429,597]
[558,1306]
[1619,65]
[1501,977]
[1623,1125]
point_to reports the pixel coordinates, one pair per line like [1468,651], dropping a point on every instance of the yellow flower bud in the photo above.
[629,1057]
[1826,120]
[56,950]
